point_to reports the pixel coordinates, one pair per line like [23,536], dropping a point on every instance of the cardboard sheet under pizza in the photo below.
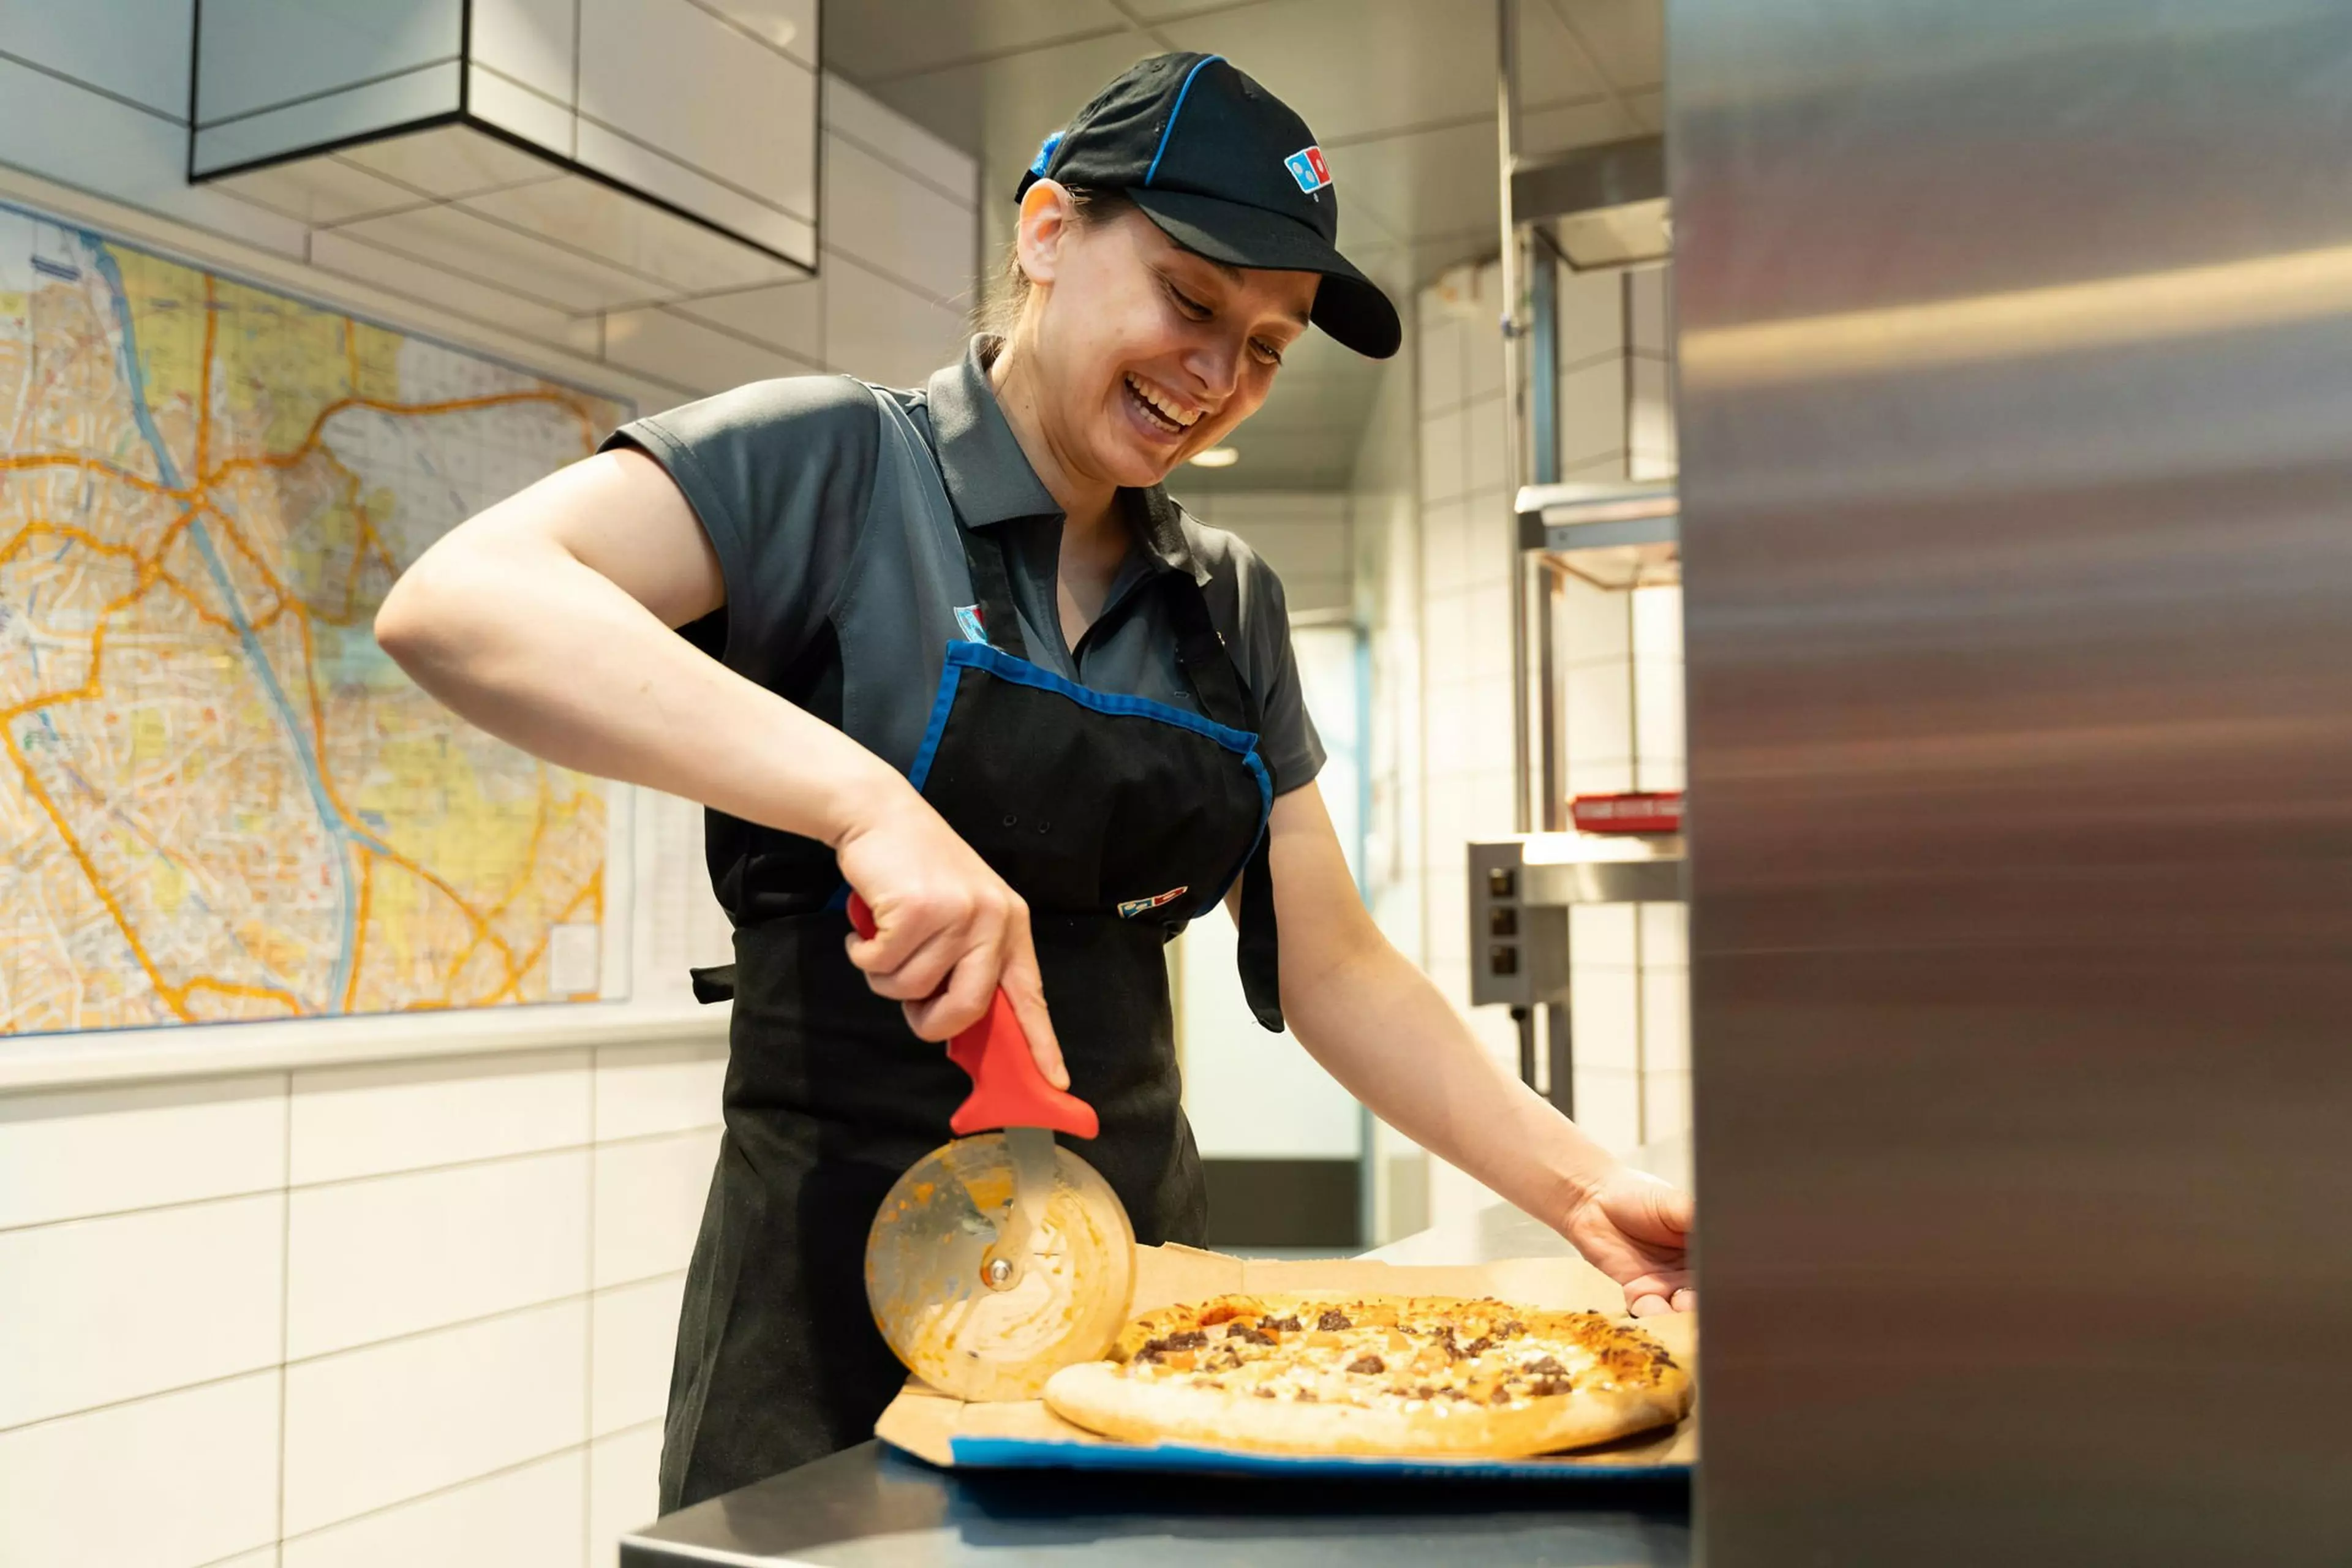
[1025,1434]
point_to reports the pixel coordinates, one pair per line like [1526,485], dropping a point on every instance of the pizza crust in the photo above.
[1094,1396]
[1630,1384]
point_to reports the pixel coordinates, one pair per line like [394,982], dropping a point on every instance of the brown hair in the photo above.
[1000,308]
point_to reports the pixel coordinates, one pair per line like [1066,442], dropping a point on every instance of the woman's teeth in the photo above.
[1162,412]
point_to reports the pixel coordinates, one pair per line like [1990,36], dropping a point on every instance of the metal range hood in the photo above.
[594,155]
[1603,205]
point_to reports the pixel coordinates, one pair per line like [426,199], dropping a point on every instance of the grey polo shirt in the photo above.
[820,579]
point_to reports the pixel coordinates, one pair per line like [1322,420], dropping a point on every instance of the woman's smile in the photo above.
[1162,418]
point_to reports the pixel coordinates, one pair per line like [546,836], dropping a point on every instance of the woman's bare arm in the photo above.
[1377,1024]
[547,620]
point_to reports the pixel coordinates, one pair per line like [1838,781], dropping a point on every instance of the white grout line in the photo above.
[285,1294]
[588,1350]
[281,1366]
[701,1130]
[447,1487]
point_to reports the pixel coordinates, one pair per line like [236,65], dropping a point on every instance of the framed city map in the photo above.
[218,799]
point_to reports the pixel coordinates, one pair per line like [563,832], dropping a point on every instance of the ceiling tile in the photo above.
[682,257]
[1276,465]
[1442,183]
[871,43]
[449,160]
[1170,10]
[320,191]
[1627,36]
[1556,64]
[457,239]
[1434,182]
[1358,69]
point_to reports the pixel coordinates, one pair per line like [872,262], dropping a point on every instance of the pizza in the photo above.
[1400,1375]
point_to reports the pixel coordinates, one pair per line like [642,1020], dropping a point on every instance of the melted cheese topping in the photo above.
[1426,1353]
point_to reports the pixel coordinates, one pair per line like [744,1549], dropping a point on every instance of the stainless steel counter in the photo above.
[873,1507]
[870,1507]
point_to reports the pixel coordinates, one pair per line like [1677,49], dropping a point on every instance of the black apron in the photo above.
[1117,819]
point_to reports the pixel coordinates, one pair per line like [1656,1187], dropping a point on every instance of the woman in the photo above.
[956,649]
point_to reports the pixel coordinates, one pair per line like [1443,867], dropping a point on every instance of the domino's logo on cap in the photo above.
[1307,167]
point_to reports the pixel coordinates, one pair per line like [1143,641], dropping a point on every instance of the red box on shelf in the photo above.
[1632,811]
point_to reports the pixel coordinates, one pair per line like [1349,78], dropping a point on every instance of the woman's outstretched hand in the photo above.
[947,930]
[1636,1228]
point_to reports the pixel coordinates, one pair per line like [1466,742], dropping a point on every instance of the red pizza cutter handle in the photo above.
[1007,1088]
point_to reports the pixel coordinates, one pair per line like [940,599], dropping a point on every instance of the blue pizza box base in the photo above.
[1030,1453]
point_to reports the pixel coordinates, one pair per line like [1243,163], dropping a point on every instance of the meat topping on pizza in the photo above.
[1421,1350]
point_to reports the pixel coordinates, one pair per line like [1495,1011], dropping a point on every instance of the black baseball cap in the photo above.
[1227,172]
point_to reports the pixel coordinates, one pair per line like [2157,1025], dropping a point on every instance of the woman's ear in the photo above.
[1048,217]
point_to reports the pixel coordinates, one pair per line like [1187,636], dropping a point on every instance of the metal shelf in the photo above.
[1613,536]
[1601,868]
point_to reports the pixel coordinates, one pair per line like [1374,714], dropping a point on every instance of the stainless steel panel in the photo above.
[1518,945]
[2018,530]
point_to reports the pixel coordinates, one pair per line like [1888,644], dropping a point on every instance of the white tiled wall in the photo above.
[1442,664]
[408,1314]
[1622,670]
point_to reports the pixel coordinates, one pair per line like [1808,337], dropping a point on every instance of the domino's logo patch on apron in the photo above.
[1134,907]
[968,621]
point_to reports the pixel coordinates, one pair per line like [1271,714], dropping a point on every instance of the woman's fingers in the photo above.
[920,974]
[1025,989]
[947,933]
[963,1002]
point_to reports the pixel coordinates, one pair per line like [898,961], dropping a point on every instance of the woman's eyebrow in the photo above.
[1232,275]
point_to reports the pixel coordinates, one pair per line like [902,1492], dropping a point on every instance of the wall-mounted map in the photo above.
[218,799]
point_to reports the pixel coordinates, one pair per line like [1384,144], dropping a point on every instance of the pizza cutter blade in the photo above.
[1000,1258]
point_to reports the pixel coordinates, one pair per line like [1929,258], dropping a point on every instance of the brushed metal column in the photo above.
[2016,411]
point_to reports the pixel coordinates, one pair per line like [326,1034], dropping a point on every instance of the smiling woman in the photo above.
[1129,352]
[1041,814]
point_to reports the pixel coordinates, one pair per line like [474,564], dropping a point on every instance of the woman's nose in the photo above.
[1217,368]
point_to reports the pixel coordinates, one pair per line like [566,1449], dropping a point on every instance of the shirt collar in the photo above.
[988,476]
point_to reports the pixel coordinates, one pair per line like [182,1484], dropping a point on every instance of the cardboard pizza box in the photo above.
[1024,1434]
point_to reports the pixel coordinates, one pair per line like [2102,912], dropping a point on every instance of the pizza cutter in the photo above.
[999,1258]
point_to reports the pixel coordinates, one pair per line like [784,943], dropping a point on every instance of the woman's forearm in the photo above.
[526,641]
[1380,1027]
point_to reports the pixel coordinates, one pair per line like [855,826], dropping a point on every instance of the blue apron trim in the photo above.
[1021,671]
[963,655]
[1265,822]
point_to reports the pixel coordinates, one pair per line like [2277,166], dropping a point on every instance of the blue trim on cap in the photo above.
[1046,151]
[1169,129]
